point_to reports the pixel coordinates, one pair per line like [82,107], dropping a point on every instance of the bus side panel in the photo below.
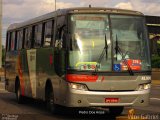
[11,70]
[45,71]
[16,66]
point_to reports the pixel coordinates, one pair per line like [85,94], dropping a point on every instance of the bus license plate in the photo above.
[111,100]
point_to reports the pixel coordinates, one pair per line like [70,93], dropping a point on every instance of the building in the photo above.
[153,24]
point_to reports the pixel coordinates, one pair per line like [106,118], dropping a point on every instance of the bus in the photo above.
[80,57]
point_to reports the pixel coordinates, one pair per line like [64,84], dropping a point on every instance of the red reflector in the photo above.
[81,78]
[111,100]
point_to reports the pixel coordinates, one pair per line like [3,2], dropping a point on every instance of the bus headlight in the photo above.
[144,86]
[78,86]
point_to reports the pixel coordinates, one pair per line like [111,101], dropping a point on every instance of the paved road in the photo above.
[35,110]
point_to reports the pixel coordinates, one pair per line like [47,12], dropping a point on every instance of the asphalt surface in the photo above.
[36,110]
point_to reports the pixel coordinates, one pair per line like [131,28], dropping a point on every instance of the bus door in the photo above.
[60,54]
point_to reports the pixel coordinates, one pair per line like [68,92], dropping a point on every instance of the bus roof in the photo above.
[60,12]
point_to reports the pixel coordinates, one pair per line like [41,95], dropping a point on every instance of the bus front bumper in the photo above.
[78,98]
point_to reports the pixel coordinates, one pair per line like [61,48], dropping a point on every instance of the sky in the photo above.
[15,11]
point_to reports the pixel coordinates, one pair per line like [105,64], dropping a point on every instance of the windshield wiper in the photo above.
[118,50]
[105,50]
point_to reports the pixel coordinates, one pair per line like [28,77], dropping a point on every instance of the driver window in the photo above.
[61,38]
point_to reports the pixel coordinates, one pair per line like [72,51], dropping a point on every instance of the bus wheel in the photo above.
[116,110]
[51,106]
[18,94]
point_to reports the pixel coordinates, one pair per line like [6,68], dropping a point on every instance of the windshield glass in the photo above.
[129,34]
[91,47]
[89,33]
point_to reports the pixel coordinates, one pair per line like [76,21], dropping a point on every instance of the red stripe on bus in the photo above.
[102,78]
[50,59]
[20,76]
[81,78]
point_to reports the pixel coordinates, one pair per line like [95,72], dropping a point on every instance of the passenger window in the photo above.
[28,37]
[15,43]
[13,35]
[48,33]
[38,36]
[19,39]
[8,41]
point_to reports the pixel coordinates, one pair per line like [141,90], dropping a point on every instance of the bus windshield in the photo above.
[90,34]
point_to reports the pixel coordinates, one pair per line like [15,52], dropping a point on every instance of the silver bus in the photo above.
[80,57]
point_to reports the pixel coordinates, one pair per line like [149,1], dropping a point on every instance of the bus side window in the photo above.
[16,42]
[23,38]
[48,34]
[8,41]
[28,37]
[58,42]
[61,38]
[38,36]
[61,32]
[19,39]
[12,44]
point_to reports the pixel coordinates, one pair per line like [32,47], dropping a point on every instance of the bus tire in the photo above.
[51,106]
[19,97]
[116,110]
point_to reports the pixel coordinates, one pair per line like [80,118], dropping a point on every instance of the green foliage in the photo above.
[158,43]
[155,61]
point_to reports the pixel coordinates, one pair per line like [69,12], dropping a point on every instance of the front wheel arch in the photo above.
[49,98]
[17,82]
[48,88]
